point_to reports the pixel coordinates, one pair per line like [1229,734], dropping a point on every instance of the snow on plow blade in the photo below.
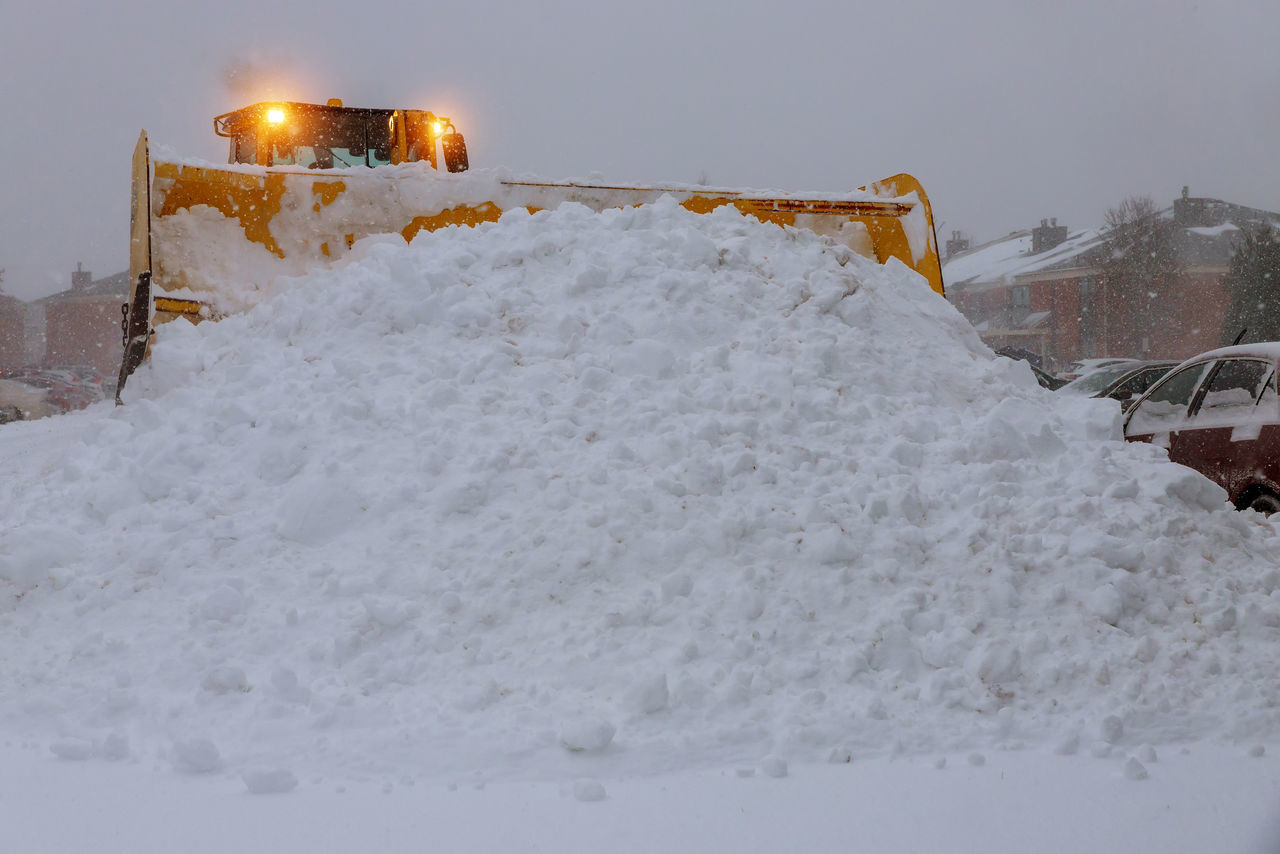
[212,237]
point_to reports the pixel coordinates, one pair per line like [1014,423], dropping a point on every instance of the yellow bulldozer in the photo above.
[303,182]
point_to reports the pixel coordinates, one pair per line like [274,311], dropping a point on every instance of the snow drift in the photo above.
[627,491]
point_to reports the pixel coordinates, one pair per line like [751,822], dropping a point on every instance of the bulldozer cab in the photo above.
[332,136]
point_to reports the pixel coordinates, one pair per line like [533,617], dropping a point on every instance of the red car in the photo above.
[1219,413]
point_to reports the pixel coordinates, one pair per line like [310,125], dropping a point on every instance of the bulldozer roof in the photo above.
[226,123]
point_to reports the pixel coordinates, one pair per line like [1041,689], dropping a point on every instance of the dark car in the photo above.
[1046,379]
[1080,367]
[1219,413]
[1124,381]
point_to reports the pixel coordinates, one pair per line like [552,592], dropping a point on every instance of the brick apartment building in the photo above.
[82,325]
[1043,290]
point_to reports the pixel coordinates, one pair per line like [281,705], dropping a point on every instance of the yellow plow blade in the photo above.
[212,237]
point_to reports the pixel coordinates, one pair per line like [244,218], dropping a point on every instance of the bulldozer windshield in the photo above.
[316,137]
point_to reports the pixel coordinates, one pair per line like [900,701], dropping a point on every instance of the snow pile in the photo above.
[617,492]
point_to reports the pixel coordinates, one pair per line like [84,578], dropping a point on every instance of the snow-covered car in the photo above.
[1046,379]
[1080,367]
[1123,381]
[64,388]
[1219,413]
[22,402]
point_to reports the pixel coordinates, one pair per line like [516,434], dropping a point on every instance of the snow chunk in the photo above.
[75,750]
[1134,770]
[588,734]
[588,790]
[319,508]
[676,585]
[225,680]
[651,695]
[223,604]
[1107,604]
[774,766]
[115,748]
[29,554]
[196,756]
[1112,729]
[269,781]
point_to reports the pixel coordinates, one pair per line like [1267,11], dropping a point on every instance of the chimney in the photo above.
[957,243]
[81,278]
[1048,235]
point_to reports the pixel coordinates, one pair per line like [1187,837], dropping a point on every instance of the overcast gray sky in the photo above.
[1008,112]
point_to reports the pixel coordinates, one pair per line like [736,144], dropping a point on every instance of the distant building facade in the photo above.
[1044,290]
[82,325]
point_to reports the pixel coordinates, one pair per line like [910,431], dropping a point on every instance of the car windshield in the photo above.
[1096,382]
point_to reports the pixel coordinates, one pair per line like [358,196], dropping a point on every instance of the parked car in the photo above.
[1081,367]
[59,389]
[1123,381]
[1046,379]
[1219,413]
[22,402]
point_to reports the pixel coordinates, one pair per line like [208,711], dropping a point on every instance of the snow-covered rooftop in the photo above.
[1001,261]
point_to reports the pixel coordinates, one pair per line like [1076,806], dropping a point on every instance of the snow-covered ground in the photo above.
[631,531]
[1203,800]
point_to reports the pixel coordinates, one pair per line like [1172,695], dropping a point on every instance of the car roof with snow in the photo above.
[1262,350]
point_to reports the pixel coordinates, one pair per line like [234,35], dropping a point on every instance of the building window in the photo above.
[1020,296]
[1088,318]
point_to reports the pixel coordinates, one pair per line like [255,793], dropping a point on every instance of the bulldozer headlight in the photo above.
[437,128]
[275,115]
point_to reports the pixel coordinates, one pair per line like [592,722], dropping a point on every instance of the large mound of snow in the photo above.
[640,489]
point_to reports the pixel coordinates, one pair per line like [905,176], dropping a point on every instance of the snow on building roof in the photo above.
[1216,230]
[977,263]
[115,285]
[1208,226]
[1006,259]
[1034,319]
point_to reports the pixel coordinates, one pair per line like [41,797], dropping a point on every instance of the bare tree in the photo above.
[1142,268]
[1253,281]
